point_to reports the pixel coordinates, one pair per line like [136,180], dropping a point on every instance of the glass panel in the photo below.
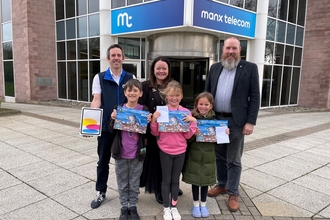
[301,12]
[269,53]
[81,7]
[297,56]
[266,83]
[295,86]
[243,44]
[299,36]
[59,9]
[94,68]
[82,49]
[94,25]
[7,34]
[290,34]
[7,49]
[131,47]
[117,3]
[279,49]
[61,82]
[5,11]
[71,29]
[282,9]
[131,68]
[93,6]
[272,8]
[9,78]
[71,50]
[143,70]
[280,31]
[224,1]
[286,86]
[292,11]
[188,81]
[94,48]
[82,27]
[83,80]
[276,86]
[251,5]
[143,48]
[61,51]
[70,8]
[60,31]
[237,3]
[72,81]
[288,55]
[132,2]
[271,29]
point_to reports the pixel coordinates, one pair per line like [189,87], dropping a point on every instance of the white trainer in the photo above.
[167,214]
[175,214]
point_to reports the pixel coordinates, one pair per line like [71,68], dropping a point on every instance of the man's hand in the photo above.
[248,129]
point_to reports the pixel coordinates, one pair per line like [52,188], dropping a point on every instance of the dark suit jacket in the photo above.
[245,100]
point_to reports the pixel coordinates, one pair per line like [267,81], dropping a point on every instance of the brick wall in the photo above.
[34,49]
[315,75]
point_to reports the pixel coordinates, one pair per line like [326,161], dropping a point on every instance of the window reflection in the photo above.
[5,11]
[272,8]
[7,49]
[81,7]
[286,82]
[94,25]
[7,34]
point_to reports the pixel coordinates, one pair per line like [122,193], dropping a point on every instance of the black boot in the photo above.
[159,197]
[133,213]
[180,192]
[123,213]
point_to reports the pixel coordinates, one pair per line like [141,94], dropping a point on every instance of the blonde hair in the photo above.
[171,85]
[206,95]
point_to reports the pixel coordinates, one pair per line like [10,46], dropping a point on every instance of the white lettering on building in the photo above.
[224,18]
[124,19]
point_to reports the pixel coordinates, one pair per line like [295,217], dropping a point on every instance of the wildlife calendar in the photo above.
[132,120]
[176,123]
[207,129]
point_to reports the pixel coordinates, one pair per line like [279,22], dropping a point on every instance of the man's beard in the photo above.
[229,65]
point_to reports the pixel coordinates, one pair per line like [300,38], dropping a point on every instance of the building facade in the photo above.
[53,49]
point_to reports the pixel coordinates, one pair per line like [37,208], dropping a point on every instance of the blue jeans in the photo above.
[104,151]
[228,158]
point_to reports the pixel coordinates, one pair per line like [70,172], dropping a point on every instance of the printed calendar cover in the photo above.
[132,120]
[207,130]
[176,123]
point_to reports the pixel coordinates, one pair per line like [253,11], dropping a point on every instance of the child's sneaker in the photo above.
[205,212]
[167,214]
[196,212]
[133,213]
[175,213]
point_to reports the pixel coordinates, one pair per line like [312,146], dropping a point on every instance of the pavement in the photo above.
[48,171]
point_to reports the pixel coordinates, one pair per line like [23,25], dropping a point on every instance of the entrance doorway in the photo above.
[191,74]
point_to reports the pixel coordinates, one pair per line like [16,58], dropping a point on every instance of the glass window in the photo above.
[83,80]
[280,31]
[132,2]
[59,9]
[8,69]
[71,29]
[301,12]
[282,9]
[94,48]
[143,70]
[279,49]
[71,50]
[271,29]
[72,81]
[290,34]
[272,8]
[131,47]
[276,86]
[297,56]
[7,34]
[93,6]
[299,36]
[94,68]
[7,49]
[251,5]
[292,11]
[5,11]
[60,31]
[70,8]
[269,53]
[288,55]
[117,3]
[266,85]
[61,81]
[286,81]
[243,44]
[82,27]
[61,50]
[295,86]
[94,25]
[81,7]
[237,3]
[82,49]
[143,48]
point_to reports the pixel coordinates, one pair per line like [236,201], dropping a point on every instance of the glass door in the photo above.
[133,67]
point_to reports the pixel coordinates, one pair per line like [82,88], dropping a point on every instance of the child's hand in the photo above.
[114,114]
[155,116]
[228,131]
[189,118]
[198,131]
[149,117]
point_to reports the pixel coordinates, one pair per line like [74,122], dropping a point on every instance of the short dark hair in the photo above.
[153,80]
[114,46]
[133,82]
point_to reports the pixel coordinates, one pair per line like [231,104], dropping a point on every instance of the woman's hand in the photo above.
[114,114]
[149,117]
